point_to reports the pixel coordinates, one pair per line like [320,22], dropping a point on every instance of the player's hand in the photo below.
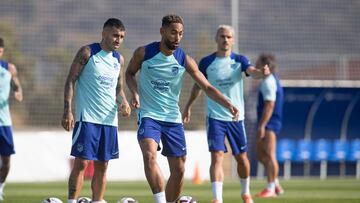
[266,70]
[18,96]
[235,112]
[67,121]
[135,101]
[186,115]
[125,109]
[260,134]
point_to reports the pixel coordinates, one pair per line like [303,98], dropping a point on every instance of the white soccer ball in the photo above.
[83,200]
[52,200]
[186,199]
[127,200]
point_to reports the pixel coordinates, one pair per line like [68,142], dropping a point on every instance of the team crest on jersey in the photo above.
[116,65]
[174,70]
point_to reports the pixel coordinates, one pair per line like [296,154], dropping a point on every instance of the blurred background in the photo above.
[316,43]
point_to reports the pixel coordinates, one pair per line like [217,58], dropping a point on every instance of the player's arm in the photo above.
[211,91]
[258,73]
[133,67]
[15,82]
[121,100]
[76,68]
[195,93]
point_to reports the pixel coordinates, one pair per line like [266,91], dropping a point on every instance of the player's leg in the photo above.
[98,183]
[216,131]
[217,175]
[6,150]
[149,134]
[237,138]
[273,163]
[76,178]
[152,170]
[4,171]
[268,147]
[176,180]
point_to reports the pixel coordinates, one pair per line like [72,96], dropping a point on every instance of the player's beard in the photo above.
[170,45]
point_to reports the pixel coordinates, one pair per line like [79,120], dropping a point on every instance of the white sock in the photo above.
[245,185]
[159,197]
[103,201]
[271,186]
[72,201]
[2,185]
[217,189]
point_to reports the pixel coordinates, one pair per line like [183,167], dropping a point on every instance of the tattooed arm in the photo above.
[76,68]
[15,83]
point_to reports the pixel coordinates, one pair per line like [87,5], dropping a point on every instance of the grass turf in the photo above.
[296,191]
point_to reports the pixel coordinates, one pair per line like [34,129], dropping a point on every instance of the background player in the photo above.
[270,104]
[8,80]
[161,65]
[224,69]
[98,72]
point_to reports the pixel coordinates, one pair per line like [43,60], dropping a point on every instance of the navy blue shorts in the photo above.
[6,141]
[233,130]
[92,141]
[171,135]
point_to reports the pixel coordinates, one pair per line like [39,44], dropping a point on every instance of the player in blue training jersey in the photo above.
[98,72]
[224,70]
[269,109]
[8,80]
[156,95]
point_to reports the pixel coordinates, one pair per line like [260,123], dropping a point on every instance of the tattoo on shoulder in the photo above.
[83,55]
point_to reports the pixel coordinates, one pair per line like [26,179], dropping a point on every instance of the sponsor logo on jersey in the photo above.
[161,85]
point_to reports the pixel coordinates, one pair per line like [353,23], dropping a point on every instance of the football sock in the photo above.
[271,186]
[159,197]
[245,185]
[217,189]
[72,201]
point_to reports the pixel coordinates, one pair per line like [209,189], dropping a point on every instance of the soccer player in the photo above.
[97,70]
[8,80]
[156,95]
[224,70]
[269,110]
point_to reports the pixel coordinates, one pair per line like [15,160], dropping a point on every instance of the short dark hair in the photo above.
[267,59]
[2,44]
[171,18]
[114,22]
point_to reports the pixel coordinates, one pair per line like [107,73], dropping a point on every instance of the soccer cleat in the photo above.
[266,193]
[279,190]
[247,198]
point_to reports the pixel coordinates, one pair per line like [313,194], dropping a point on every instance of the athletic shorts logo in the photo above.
[141,131]
[80,147]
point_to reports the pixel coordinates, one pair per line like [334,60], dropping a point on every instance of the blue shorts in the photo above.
[233,130]
[6,141]
[171,135]
[92,141]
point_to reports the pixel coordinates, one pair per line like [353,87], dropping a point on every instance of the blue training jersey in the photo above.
[225,74]
[271,90]
[5,79]
[96,88]
[160,83]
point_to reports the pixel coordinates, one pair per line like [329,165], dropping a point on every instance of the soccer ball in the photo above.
[127,200]
[52,200]
[84,200]
[186,199]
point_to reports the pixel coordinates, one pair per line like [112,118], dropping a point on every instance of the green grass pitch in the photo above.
[296,191]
